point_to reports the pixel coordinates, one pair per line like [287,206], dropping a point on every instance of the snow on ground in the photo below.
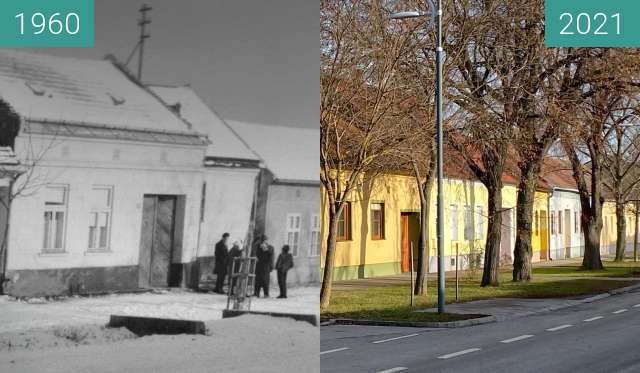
[69,335]
[174,304]
[247,343]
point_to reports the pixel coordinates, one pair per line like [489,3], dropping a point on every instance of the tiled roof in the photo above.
[225,143]
[53,89]
[557,173]
[290,153]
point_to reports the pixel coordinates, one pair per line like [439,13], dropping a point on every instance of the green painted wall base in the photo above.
[365,271]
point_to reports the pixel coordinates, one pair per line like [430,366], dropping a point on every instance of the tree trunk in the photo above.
[635,234]
[524,212]
[327,277]
[4,244]
[621,232]
[591,227]
[420,287]
[491,270]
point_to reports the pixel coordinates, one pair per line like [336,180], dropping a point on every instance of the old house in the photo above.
[230,170]
[289,188]
[115,186]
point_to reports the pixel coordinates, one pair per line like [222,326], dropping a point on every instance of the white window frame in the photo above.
[453,222]
[291,230]
[468,223]
[314,247]
[48,245]
[94,215]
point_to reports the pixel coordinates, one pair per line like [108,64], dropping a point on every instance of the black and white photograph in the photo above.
[160,192]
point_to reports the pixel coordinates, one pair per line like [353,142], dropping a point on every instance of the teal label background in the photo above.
[629,23]
[10,36]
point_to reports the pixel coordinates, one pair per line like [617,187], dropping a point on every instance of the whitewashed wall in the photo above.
[565,200]
[133,169]
[229,198]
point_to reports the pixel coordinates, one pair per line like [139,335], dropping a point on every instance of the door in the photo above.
[544,239]
[157,239]
[404,250]
[567,233]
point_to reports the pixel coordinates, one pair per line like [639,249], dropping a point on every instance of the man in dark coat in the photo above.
[222,262]
[283,265]
[264,266]
[235,252]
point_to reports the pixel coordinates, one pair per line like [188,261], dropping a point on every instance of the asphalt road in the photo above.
[603,336]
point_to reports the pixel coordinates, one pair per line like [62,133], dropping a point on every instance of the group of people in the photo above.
[264,252]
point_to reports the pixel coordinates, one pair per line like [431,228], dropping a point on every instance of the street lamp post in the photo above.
[436,13]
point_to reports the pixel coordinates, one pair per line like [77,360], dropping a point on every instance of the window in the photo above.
[576,222]
[293,233]
[377,221]
[453,222]
[535,223]
[100,218]
[315,235]
[344,223]
[560,222]
[468,223]
[553,222]
[479,222]
[55,210]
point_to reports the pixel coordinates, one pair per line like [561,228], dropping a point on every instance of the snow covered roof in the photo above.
[225,143]
[290,153]
[51,89]
[7,157]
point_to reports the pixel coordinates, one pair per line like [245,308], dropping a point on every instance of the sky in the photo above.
[251,60]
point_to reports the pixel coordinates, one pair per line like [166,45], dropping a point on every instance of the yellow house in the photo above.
[380,226]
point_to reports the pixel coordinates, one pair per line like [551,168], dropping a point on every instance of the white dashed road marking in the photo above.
[335,350]
[396,338]
[620,311]
[517,338]
[593,318]
[559,327]
[392,370]
[636,306]
[463,352]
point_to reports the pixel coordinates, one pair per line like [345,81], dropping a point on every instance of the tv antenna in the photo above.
[142,23]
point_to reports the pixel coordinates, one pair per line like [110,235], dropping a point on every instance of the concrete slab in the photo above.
[142,326]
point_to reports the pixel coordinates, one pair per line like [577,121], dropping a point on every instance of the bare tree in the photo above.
[622,168]
[605,79]
[485,131]
[359,104]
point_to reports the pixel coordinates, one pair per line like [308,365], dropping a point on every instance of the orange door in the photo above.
[405,243]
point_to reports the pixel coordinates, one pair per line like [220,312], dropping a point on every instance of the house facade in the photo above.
[288,193]
[230,174]
[380,227]
[111,199]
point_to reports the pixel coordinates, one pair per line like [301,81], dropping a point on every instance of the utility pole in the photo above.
[144,21]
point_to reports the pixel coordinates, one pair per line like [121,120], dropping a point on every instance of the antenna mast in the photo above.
[144,21]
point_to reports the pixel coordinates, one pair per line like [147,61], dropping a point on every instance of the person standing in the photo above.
[264,266]
[234,265]
[222,262]
[283,265]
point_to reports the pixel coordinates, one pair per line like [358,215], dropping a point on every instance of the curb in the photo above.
[480,320]
[414,324]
